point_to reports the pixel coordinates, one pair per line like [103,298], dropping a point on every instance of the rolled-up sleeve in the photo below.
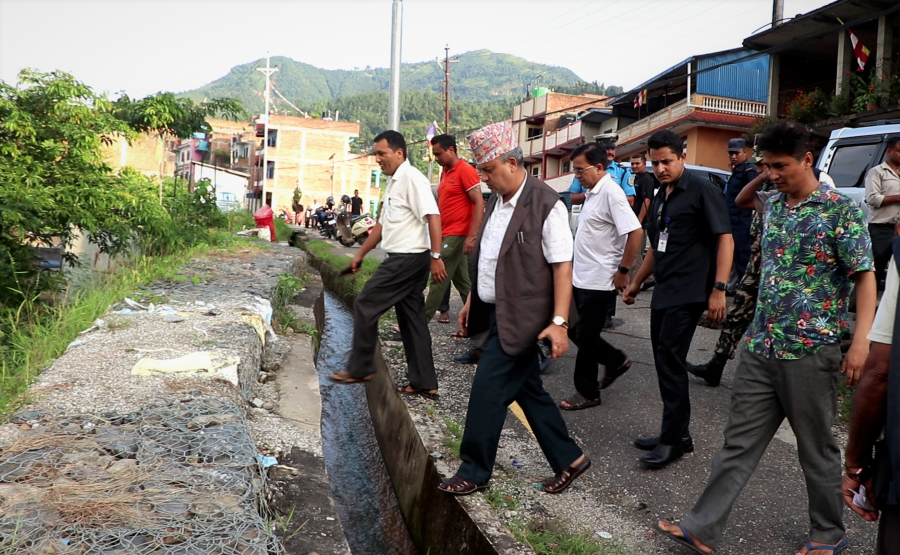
[556,237]
[874,189]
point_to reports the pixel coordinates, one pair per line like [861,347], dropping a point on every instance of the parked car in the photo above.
[851,153]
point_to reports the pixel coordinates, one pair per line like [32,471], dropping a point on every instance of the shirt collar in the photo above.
[683,180]
[596,188]
[819,196]
[515,198]
[888,167]
[401,169]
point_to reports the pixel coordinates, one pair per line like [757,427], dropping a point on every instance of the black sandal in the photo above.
[407,389]
[612,375]
[564,479]
[460,486]
[577,401]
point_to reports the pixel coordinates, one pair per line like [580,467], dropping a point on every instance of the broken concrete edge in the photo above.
[438,523]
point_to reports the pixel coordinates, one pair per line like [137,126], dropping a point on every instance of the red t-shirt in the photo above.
[453,199]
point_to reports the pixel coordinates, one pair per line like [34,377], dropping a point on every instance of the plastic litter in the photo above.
[605,535]
[518,464]
[266,462]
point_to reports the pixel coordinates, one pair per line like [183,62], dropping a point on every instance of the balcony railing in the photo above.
[731,105]
[654,121]
[541,143]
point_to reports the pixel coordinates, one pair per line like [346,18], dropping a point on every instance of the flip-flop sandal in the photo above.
[686,541]
[458,335]
[407,389]
[442,321]
[564,479]
[833,548]
[613,375]
[577,401]
[343,377]
[460,486]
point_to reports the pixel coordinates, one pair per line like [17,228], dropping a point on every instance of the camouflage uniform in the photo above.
[740,315]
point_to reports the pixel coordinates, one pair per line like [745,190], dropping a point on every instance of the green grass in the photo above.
[282,230]
[500,500]
[456,432]
[36,332]
[288,286]
[549,537]
[845,400]
[323,251]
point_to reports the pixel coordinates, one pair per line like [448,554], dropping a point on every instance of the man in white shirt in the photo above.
[409,229]
[606,241]
[883,197]
[521,296]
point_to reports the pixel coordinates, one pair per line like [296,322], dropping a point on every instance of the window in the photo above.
[270,169]
[535,171]
[273,138]
[850,163]
[567,166]
[716,179]
[534,132]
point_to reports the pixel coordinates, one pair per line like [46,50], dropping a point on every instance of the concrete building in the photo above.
[145,154]
[314,155]
[550,126]
[188,151]
[230,186]
[705,99]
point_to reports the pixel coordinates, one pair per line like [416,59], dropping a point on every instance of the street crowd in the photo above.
[789,247]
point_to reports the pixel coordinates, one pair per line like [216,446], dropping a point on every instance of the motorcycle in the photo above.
[327,223]
[353,229]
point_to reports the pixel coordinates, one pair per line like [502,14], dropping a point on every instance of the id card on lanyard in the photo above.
[663,237]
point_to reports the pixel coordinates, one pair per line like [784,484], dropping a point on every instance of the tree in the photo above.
[168,116]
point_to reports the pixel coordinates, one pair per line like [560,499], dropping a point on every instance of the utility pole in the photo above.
[268,71]
[396,41]
[777,12]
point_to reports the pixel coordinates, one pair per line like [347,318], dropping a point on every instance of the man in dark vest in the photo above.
[876,407]
[521,294]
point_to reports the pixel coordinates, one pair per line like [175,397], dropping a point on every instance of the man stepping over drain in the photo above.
[606,243]
[521,294]
[815,246]
[409,230]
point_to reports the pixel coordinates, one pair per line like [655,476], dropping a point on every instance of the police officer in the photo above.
[742,173]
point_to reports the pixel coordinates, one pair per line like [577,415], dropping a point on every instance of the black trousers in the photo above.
[399,282]
[671,332]
[882,248]
[593,350]
[499,380]
[445,302]
[888,542]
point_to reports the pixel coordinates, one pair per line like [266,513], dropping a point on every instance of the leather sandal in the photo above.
[577,401]
[564,479]
[612,375]
[407,389]
[343,377]
[460,486]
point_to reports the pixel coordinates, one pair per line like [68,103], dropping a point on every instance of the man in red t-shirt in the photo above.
[461,206]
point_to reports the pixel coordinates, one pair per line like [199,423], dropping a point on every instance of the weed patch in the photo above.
[549,537]
[456,431]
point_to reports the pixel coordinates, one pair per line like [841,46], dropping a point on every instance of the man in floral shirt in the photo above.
[815,246]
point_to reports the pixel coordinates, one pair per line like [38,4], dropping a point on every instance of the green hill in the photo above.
[478,75]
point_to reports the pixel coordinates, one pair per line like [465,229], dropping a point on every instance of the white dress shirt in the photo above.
[556,241]
[604,224]
[883,326]
[407,201]
[882,181]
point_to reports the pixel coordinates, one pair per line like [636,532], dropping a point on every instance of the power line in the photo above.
[542,23]
[531,38]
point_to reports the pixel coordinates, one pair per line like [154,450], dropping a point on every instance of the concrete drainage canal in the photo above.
[362,490]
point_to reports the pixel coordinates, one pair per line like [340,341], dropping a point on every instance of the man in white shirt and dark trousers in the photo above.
[883,197]
[522,294]
[409,230]
[606,242]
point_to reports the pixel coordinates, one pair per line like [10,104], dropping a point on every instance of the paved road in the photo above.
[771,514]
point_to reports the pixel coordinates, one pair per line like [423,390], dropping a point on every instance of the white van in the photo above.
[851,153]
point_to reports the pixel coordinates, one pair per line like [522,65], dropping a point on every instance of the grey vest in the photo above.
[524,279]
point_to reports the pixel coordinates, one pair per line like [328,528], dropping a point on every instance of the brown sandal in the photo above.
[613,375]
[460,486]
[564,479]
[343,377]
[577,401]
[407,389]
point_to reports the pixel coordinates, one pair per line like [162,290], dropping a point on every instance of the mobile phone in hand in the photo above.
[346,271]
[545,346]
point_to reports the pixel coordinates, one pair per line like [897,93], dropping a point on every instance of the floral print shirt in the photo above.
[809,253]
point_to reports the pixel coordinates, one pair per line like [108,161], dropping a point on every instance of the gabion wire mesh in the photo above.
[175,479]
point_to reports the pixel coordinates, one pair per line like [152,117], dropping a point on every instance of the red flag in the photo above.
[859,49]
[640,98]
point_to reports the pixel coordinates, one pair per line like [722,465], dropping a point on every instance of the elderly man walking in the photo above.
[409,229]
[522,294]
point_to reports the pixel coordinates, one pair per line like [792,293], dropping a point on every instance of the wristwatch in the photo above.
[720,286]
[560,321]
[859,474]
[624,269]
[436,255]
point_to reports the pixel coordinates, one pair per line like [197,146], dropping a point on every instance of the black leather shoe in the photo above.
[661,456]
[711,372]
[466,358]
[649,443]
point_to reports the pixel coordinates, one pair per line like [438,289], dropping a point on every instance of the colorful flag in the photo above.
[859,49]
[640,98]
[430,133]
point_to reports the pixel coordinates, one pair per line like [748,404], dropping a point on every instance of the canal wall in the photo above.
[438,523]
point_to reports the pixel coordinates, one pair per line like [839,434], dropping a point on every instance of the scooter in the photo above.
[353,229]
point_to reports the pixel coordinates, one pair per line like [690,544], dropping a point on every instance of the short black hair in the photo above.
[666,138]
[394,140]
[594,153]
[640,155]
[786,137]
[446,141]
[893,141]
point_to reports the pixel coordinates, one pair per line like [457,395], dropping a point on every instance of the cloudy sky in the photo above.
[142,46]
